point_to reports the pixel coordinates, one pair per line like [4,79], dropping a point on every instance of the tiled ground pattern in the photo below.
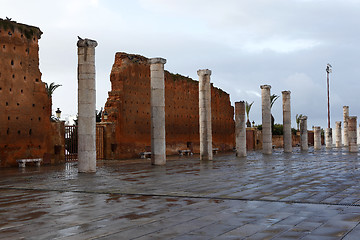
[313,195]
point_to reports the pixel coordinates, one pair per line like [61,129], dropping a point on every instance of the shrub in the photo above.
[278,129]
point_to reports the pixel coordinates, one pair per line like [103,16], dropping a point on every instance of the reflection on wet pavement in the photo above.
[313,195]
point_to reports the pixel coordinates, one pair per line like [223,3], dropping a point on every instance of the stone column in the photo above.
[346,133]
[287,121]
[266,119]
[317,138]
[358,134]
[338,142]
[328,138]
[240,129]
[352,128]
[303,134]
[206,152]
[86,106]
[158,144]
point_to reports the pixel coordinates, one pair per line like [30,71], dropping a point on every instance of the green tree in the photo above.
[247,110]
[278,129]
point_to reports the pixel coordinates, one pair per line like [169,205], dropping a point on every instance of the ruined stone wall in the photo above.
[25,128]
[128,106]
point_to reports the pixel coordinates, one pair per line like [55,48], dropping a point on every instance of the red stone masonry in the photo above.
[25,127]
[128,106]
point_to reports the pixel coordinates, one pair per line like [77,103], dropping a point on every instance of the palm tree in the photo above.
[51,88]
[273,98]
[298,117]
[247,110]
[98,115]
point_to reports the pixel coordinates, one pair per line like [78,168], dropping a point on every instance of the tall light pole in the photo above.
[328,71]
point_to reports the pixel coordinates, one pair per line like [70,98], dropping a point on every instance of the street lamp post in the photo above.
[105,115]
[58,113]
[328,71]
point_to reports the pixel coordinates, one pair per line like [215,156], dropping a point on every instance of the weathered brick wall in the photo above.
[25,129]
[128,106]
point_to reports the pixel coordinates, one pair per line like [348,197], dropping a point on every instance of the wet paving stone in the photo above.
[312,195]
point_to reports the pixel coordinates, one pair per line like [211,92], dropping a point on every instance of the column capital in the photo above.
[352,117]
[345,107]
[202,72]
[157,60]
[286,92]
[265,87]
[338,123]
[304,118]
[86,42]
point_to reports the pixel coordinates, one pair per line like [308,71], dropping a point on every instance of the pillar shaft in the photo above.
[266,119]
[352,128]
[157,83]
[346,132]
[206,152]
[303,134]
[317,138]
[338,142]
[358,134]
[86,106]
[287,121]
[328,138]
[240,129]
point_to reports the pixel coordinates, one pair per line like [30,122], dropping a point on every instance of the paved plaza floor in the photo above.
[314,195]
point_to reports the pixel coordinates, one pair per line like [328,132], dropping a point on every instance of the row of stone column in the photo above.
[349,133]
[87,105]
[87,124]
[158,142]
[266,120]
[240,127]
[350,129]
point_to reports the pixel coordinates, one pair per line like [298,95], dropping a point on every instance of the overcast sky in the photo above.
[246,43]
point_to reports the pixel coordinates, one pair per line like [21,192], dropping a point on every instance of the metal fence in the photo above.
[71,143]
[100,142]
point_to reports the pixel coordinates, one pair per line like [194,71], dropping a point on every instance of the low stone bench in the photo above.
[22,162]
[145,155]
[215,150]
[185,152]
